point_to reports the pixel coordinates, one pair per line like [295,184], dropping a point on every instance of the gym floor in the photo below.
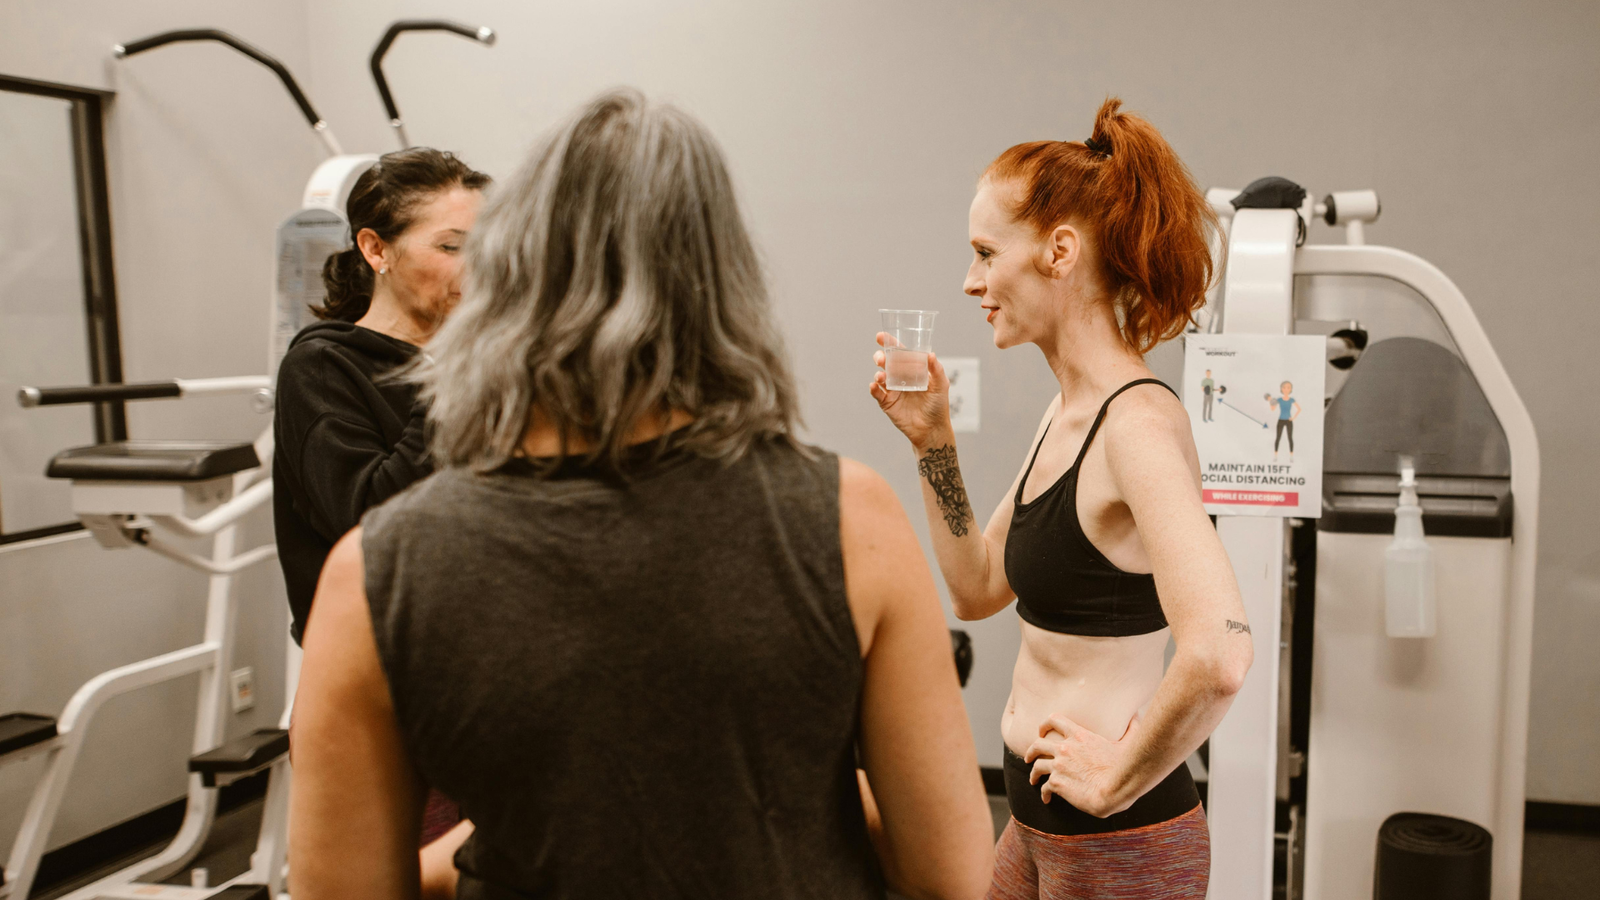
[1556,865]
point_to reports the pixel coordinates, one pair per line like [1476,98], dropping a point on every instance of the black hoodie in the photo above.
[346,440]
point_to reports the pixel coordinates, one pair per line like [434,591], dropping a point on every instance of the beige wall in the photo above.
[855,132]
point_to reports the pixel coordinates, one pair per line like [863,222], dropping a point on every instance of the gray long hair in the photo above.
[610,279]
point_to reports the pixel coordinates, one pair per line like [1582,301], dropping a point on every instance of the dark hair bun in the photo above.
[348,280]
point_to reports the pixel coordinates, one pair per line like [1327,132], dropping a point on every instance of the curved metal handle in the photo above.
[483,34]
[320,126]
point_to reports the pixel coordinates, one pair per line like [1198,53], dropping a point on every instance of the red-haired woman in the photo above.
[1094,252]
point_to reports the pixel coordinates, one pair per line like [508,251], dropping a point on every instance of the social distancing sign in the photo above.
[1255,404]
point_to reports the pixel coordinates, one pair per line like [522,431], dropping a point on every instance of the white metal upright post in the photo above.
[1242,788]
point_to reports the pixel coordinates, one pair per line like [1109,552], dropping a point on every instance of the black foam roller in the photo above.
[1428,857]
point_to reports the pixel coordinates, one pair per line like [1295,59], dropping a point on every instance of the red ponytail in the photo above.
[1150,222]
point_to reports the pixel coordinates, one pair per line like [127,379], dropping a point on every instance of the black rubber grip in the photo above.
[395,30]
[98,393]
[222,37]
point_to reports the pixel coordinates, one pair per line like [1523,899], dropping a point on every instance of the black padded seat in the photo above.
[242,755]
[153,461]
[19,730]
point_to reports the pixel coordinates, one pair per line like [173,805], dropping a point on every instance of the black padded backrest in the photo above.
[1411,396]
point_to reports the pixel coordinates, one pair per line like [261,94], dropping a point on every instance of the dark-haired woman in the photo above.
[347,438]
[1094,252]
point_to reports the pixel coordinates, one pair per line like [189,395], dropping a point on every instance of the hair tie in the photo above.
[1099,148]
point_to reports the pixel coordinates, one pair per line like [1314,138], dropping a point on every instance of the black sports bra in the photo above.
[1063,583]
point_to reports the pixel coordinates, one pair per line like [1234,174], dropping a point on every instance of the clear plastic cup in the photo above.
[905,353]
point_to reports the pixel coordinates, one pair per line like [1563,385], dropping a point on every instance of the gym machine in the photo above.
[134,494]
[139,493]
[1352,712]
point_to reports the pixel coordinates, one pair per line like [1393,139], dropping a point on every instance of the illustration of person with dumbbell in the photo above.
[1288,410]
[1207,387]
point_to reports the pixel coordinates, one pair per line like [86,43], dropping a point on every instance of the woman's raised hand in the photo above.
[920,415]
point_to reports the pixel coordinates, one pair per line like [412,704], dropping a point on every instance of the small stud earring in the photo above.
[384,270]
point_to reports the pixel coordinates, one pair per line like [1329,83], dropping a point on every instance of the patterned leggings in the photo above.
[1167,861]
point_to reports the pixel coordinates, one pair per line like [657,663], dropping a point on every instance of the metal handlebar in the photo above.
[97,393]
[318,124]
[483,35]
[145,390]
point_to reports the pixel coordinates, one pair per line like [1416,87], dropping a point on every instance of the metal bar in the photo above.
[238,384]
[51,89]
[95,251]
[122,51]
[210,728]
[1243,775]
[231,566]
[224,515]
[96,393]
[483,35]
[145,390]
[23,864]
[267,862]
[120,680]
[1242,790]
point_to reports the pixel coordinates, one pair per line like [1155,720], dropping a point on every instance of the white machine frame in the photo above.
[1258,298]
[125,514]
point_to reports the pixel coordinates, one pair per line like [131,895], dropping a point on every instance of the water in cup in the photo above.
[906,348]
[907,370]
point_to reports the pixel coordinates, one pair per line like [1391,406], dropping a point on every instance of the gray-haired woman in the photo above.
[637,629]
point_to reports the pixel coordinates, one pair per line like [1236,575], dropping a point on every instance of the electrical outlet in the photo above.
[244,689]
[963,374]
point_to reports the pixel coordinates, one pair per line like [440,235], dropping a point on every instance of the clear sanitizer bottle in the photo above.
[1411,603]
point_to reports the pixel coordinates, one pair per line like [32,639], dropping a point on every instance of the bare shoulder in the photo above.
[341,677]
[1144,412]
[1148,425]
[874,538]
[862,490]
[873,526]
[345,561]
[341,599]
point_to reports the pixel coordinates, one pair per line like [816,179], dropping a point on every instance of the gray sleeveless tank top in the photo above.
[642,688]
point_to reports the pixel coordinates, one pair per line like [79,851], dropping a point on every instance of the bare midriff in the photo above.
[1097,682]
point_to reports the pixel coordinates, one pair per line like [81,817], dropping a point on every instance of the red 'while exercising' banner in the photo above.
[1253,498]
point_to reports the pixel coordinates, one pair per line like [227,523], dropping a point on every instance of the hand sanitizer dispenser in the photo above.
[1410,601]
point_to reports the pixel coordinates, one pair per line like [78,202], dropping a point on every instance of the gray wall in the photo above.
[855,132]
[41,304]
[206,154]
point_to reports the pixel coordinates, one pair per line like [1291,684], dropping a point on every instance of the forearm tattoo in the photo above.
[1240,627]
[939,466]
